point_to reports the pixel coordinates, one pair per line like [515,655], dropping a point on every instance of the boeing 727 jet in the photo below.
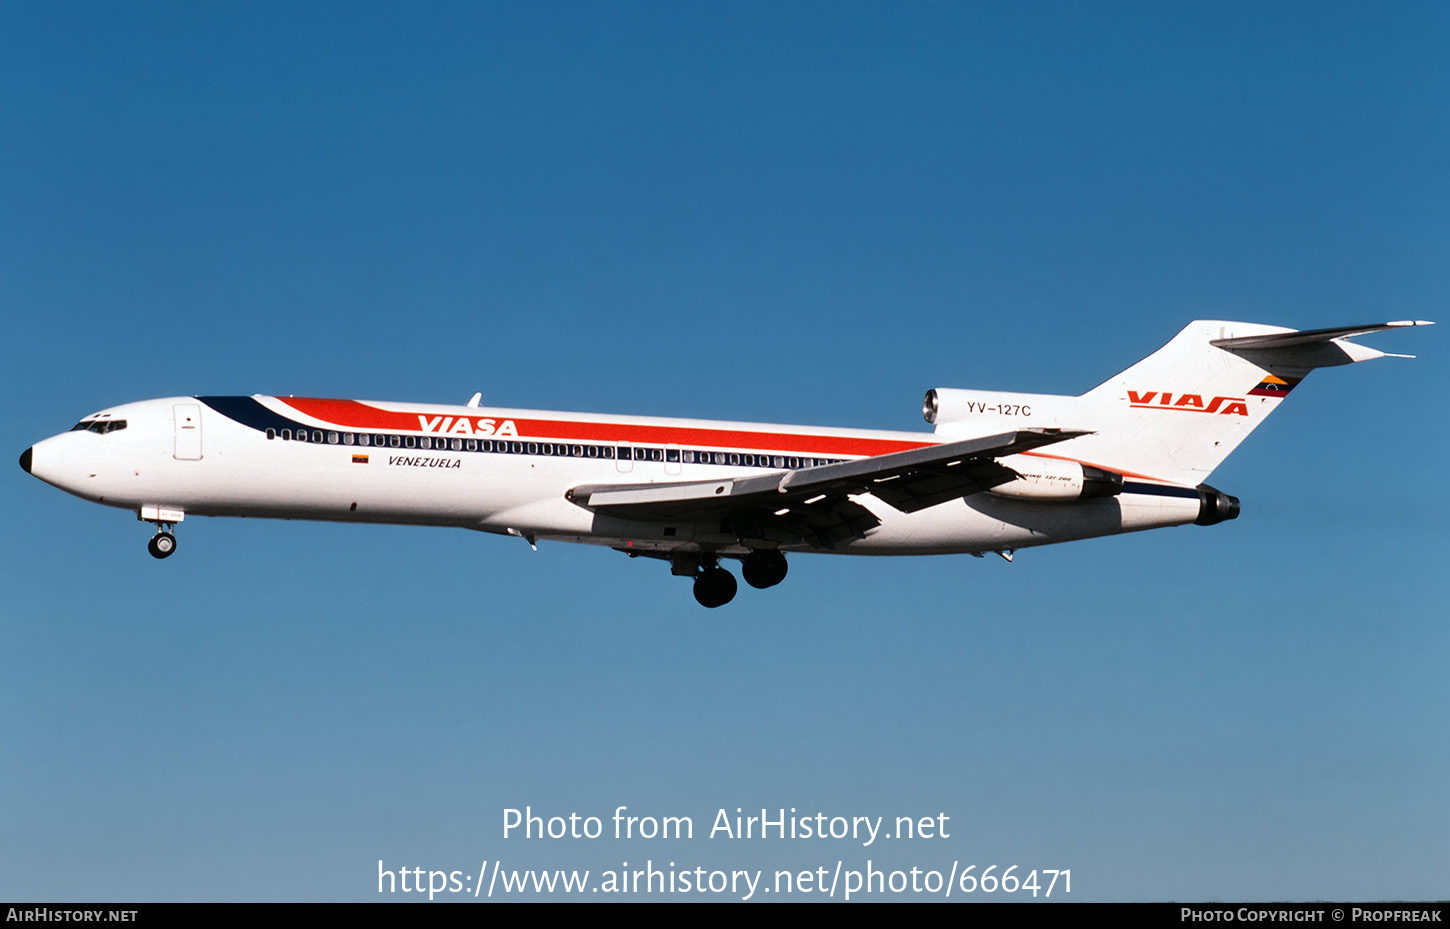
[1002,471]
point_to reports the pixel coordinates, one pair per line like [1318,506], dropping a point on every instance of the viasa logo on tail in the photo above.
[1270,386]
[1193,403]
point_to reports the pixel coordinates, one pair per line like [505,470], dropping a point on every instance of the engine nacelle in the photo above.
[946,406]
[1053,479]
[1215,506]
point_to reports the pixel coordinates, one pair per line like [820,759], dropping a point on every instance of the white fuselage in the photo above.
[508,471]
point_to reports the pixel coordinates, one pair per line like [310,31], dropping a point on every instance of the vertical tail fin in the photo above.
[1177,414]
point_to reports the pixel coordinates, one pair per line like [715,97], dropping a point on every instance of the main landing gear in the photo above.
[762,568]
[715,586]
[162,544]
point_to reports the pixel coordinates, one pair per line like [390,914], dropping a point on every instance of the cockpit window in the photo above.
[99,426]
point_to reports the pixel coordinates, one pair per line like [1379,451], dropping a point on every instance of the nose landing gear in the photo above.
[162,544]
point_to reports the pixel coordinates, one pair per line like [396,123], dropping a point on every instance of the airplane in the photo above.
[1001,472]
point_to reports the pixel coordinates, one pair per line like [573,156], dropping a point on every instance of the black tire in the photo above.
[162,544]
[715,587]
[762,569]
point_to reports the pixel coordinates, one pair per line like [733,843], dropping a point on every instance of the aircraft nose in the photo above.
[25,459]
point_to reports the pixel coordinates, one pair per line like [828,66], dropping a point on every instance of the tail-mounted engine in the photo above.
[1054,479]
[944,406]
[1215,506]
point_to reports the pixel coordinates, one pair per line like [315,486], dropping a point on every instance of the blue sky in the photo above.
[805,213]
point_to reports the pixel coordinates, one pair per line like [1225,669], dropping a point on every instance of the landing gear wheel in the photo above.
[763,568]
[161,545]
[715,587]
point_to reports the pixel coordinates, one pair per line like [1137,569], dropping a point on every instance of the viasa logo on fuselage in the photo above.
[1193,403]
[462,425]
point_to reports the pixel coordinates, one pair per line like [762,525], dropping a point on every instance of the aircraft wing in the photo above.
[813,504]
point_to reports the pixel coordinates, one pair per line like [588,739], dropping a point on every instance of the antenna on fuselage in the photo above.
[476,397]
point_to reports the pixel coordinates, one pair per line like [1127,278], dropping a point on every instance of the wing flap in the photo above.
[814,503]
[931,486]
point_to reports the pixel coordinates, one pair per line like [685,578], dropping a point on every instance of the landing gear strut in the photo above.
[715,587]
[162,544]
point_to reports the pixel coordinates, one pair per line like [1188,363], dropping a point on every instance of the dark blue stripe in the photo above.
[1158,490]
[248,412]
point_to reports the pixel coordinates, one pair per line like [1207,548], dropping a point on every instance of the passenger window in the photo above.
[471,444]
[364,439]
[410,441]
[578,451]
[425,442]
[332,438]
[394,441]
[456,445]
[271,434]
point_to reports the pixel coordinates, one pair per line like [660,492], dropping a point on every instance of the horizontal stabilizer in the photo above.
[1310,336]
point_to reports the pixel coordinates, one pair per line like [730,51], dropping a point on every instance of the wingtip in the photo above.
[1409,322]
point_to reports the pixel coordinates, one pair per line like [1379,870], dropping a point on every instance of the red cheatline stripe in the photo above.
[350,414]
